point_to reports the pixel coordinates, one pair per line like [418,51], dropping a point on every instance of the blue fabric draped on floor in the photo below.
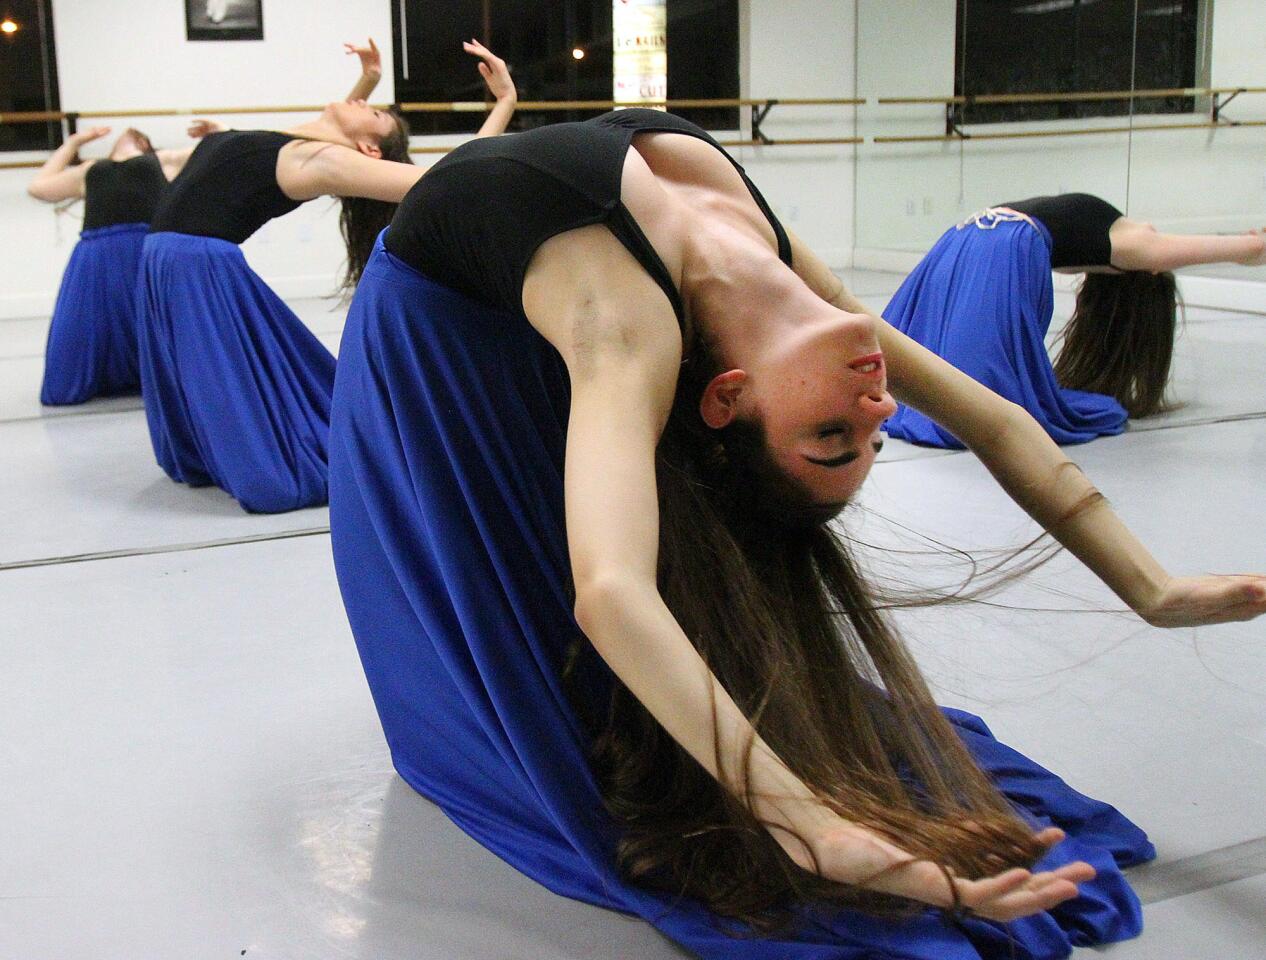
[237,389]
[446,515]
[982,299]
[91,348]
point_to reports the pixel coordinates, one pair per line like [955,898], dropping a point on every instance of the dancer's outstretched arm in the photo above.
[497,77]
[307,169]
[622,348]
[1045,483]
[315,168]
[1137,245]
[57,180]
[491,67]
[370,69]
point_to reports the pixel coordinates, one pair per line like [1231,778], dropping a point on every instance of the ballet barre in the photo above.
[760,108]
[1092,95]
[955,111]
[1078,132]
[791,142]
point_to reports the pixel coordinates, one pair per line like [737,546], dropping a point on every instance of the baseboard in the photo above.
[891,261]
[303,286]
[837,258]
[1223,293]
[22,305]
[1217,293]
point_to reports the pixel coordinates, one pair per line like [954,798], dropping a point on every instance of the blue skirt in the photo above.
[237,389]
[91,348]
[447,525]
[982,299]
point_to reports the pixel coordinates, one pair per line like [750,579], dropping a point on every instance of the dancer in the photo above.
[91,348]
[604,622]
[982,299]
[236,388]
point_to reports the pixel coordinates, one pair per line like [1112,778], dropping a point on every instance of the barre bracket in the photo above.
[759,113]
[1218,105]
[955,117]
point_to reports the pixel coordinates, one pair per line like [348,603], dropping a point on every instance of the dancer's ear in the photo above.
[369,149]
[719,404]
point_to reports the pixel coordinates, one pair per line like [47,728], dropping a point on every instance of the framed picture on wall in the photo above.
[224,19]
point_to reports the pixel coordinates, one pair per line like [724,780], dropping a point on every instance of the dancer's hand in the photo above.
[87,136]
[854,855]
[1195,601]
[493,69]
[370,58]
[200,128]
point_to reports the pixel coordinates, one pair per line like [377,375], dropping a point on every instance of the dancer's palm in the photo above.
[493,69]
[854,855]
[370,58]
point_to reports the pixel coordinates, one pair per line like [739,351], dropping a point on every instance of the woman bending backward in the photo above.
[236,388]
[588,362]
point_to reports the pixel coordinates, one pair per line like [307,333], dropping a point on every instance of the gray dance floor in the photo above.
[192,767]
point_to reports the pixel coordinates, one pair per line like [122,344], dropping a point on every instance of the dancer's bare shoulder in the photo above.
[584,287]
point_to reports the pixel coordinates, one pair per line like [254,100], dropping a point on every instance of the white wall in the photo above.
[136,57]
[794,48]
[801,49]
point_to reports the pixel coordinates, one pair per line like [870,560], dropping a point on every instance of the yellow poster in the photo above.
[639,35]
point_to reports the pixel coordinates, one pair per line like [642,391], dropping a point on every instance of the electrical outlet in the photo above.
[927,205]
[909,208]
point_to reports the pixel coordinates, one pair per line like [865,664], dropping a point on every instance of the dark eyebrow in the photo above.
[844,458]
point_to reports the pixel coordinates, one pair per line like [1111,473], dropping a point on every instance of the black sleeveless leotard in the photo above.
[122,191]
[477,217]
[228,189]
[1078,224]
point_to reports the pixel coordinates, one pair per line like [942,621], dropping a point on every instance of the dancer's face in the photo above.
[131,143]
[364,125]
[821,400]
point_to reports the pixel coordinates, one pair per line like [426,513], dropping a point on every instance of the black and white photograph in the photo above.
[224,19]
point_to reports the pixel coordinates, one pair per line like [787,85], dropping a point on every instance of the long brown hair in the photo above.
[1120,340]
[770,596]
[361,219]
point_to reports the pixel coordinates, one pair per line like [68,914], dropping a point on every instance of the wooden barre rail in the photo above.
[461,106]
[455,106]
[44,116]
[801,141]
[479,106]
[1088,131]
[983,99]
[918,138]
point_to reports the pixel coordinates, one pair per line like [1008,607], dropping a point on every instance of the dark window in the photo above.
[537,41]
[1073,46]
[28,73]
